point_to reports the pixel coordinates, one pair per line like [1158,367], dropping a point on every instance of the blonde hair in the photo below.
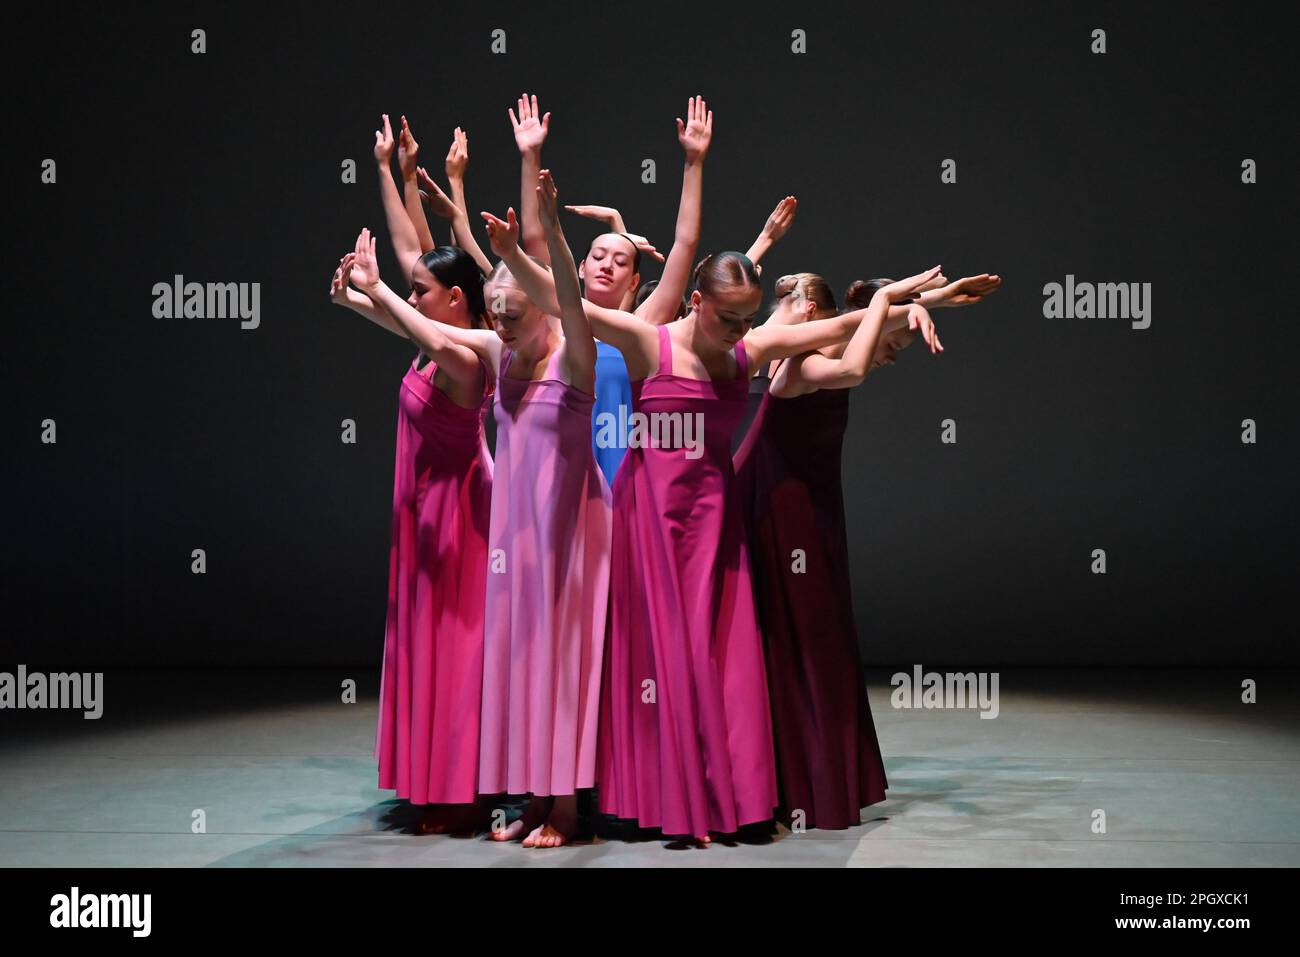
[502,276]
[810,286]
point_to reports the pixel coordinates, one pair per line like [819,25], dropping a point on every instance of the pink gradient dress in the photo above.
[428,738]
[547,590]
[686,730]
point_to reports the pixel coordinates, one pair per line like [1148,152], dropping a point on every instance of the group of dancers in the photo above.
[664,624]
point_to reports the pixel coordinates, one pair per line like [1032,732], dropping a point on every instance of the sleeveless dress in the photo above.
[686,733]
[427,744]
[609,420]
[788,469]
[547,591]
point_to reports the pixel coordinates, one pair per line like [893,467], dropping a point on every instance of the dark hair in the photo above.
[859,293]
[452,266]
[636,250]
[643,293]
[728,268]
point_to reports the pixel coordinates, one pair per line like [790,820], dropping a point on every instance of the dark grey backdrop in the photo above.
[1072,434]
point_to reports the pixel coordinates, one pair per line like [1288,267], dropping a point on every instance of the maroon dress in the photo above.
[828,759]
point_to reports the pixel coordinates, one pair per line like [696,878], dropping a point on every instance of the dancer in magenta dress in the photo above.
[427,740]
[548,561]
[693,753]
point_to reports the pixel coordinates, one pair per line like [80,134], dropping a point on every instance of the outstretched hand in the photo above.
[384,142]
[778,224]
[364,273]
[457,155]
[697,132]
[440,203]
[547,195]
[504,236]
[407,150]
[970,289]
[339,284]
[906,288]
[530,125]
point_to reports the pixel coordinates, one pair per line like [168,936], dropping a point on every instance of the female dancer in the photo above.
[547,585]
[788,469]
[686,743]
[611,269]
[547,597]
[427,741]
[788,476]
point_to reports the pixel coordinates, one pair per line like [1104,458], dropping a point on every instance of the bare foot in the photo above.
[547,836]
[533,816]
[560,826]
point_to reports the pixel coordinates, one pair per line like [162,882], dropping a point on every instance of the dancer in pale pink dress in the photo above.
[548,578]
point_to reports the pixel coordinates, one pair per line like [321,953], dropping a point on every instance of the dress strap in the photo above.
[742,360]
[506,356]
[553,362]
[665,351]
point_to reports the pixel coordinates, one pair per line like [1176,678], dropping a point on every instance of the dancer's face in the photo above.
[726,316]
[889,345]
[431,298]
[514,317]
[607,271]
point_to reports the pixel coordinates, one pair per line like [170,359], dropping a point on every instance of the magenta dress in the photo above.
[547,591]
[686,731]
[428,738]
[828,758]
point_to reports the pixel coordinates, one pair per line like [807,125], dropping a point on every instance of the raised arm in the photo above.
[461,234]
[456,350]
[694,135]
[455,165]
[779,340]
[407,152]
[777,225]
[638,342]
[579,346]
[817,371]
[406,242]
[530,133]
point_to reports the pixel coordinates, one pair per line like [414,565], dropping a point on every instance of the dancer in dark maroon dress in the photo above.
[829,764]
